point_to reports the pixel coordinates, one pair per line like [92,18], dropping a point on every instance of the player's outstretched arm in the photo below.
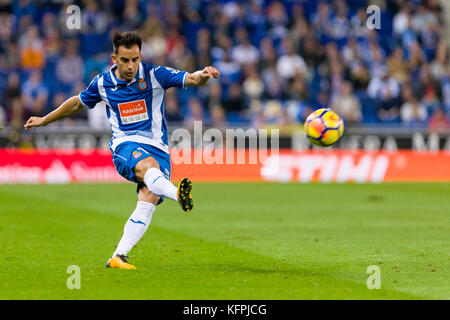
[69,107]
[201,77]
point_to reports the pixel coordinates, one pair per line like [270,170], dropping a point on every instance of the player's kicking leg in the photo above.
[147,170]
[134,228]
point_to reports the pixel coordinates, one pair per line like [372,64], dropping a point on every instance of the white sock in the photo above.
[135,227]
[159,185]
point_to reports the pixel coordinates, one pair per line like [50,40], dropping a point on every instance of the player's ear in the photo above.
[114,58]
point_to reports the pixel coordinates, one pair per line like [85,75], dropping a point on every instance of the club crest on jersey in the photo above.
[142,84]
[137,154]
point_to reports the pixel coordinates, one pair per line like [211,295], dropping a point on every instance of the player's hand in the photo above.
[34,122]
[210,72]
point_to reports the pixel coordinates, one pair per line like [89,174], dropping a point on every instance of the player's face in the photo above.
[127,61]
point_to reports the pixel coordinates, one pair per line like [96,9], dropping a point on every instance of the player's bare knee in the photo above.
[142,166]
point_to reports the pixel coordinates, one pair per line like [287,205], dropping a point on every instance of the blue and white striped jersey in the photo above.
[135,109]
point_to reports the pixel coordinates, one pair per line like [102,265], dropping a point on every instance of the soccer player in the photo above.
[134,95]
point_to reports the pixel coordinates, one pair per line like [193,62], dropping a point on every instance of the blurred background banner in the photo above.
[279,60]
[62,166]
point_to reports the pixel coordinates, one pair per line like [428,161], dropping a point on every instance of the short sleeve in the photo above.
[90,96]
[169,77]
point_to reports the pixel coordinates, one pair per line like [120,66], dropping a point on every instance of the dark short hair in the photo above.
[126,39]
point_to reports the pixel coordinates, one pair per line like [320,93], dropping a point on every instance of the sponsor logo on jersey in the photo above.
[134,111]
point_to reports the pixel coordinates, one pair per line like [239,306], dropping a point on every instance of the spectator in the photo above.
[412,112]
[181,57]
[218,119]
[132,17]
[383,87]
[346,104]
[214,94]
[299,30]
[277,19]
[425,84]
[13,58]
[358,26]
[97,118]
[351,51]
[386,90]
[31,50]
[401,21]
[298,88]
[244,53]
[273,88]
[6,30]
[195,112]
[203,48]
[12,90]
[235,100]
[52,44]
[70,67]
[49,23]
[230,70]
[423,18]
[312,52]
[290,63]
[96,21]
[336,77]
[253,86]
[153,45]
[274,113]
[430,101]
[438,65]
[397,66]
[359,76]
[171,107]
[439,122]
[17,113]
[35,94]
[268,53]
[340,22]
[321,19]
[223,47]
[408,35]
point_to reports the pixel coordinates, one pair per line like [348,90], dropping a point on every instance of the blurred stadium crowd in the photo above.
[279,59]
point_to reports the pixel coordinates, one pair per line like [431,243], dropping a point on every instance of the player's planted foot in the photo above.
[184,194]
[119,261]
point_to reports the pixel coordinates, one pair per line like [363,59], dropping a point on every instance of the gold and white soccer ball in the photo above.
[324,127]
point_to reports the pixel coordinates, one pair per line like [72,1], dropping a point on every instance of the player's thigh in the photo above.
[142,166]
[145,195]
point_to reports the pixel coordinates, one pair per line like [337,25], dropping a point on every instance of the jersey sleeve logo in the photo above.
[172,70]
[131,112]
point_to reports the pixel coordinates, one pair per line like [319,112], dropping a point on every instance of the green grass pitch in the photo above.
[242,241]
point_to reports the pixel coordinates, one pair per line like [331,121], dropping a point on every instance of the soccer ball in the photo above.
[324,127]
